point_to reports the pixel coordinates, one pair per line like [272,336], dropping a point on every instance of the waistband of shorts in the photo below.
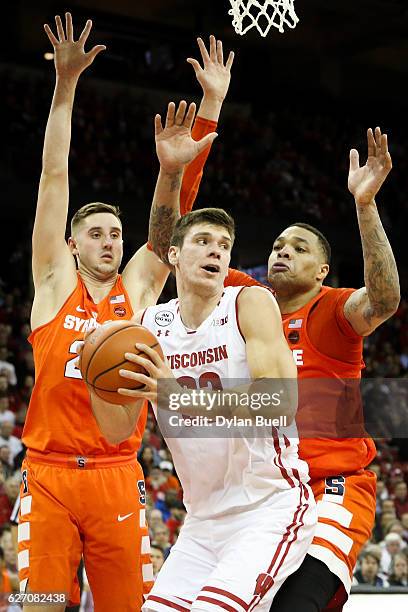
[80,462]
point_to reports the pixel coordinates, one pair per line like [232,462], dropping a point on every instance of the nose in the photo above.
[215,251]
[284,252]
[107,242]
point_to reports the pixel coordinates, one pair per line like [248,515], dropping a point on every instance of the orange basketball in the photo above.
[103,355]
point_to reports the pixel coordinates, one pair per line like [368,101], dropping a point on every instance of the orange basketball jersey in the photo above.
[59,417]
[333,400]
[331,404]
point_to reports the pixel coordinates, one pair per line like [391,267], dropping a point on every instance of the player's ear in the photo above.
[174,255]
[323,272]
[72,245]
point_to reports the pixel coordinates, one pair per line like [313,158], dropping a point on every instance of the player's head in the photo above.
[96,238]
[201,247]
[299,260]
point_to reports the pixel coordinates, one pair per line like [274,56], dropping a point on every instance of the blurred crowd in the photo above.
[291,161]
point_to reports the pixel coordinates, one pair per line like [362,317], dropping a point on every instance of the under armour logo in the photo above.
[160,332]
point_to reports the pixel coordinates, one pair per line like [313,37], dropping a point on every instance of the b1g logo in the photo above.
[164,318]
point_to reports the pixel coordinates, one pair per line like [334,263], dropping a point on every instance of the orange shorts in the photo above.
[346,514]
[95,508]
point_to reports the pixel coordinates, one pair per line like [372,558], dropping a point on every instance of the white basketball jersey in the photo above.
[219,474]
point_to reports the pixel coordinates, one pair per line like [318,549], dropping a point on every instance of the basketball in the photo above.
[103,355]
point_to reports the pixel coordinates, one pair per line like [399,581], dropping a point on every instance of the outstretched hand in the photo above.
[365,182]
[174,145]
[70,57]
[215,76]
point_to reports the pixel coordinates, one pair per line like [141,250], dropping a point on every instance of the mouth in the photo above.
[107,256]
[280,267]
[211,268]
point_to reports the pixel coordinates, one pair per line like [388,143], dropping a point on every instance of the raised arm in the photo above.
[53,265]
[369,306]
[214,77]
[145,275]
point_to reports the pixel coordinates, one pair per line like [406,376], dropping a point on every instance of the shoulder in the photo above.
[253,296]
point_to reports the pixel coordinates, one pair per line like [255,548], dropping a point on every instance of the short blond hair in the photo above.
[91,209]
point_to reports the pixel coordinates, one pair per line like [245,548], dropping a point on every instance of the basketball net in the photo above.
[262,14]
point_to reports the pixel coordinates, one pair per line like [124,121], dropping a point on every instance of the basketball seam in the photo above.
[103,341]
[117,365]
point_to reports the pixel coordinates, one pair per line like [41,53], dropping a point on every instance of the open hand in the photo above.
[215,76]
[70,57]
[365,182]
[174,145]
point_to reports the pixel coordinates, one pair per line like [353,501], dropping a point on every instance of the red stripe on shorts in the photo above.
[216,602]
[167,603]
[235,598]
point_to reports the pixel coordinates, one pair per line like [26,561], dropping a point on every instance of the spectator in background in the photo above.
[157,557]
[160,538]
[6,437]
[154,519]
[399,571]
[6,468]
[6,367]
[392,544]
[404,523]
[369,568]
[401,498]
[5,413]
[148,458]
[3,383]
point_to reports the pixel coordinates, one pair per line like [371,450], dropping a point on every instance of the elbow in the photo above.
[117,437]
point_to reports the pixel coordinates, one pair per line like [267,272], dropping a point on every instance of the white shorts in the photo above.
[236,562]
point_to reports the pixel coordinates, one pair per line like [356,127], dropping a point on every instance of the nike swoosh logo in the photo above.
[79,309]
[125,516]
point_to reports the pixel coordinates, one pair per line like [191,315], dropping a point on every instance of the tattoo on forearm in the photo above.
[380,270]
[161,225]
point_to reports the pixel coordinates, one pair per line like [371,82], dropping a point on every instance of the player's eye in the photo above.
[300,250]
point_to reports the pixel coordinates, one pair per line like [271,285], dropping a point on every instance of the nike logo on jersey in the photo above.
[79,309]
[124,517]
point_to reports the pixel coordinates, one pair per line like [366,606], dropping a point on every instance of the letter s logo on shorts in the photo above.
[164,318]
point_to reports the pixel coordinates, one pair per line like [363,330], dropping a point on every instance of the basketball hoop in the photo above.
[262,14]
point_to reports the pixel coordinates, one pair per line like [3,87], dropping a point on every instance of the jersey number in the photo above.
[71,367]
[208,380]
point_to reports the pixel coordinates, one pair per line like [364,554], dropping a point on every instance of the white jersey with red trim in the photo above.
[221,468]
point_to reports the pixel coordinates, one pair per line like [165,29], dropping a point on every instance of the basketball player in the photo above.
[250,515]
[80,494]
[324,328]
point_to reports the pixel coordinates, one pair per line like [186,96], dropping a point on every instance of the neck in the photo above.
[195,307]
[292,302]
[98,288]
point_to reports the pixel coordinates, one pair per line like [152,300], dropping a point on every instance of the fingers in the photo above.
[354,160]
[151,353]
[195,64]
[171,109]
[230,60]
[158,127]
[370,143]
[60,29]
[205,142]
[53,40]
[220,52]
[94,52]
[203,51]
[213,48]
[85,32]
[68,27]
[189,118]
[216,55]
[180,114]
